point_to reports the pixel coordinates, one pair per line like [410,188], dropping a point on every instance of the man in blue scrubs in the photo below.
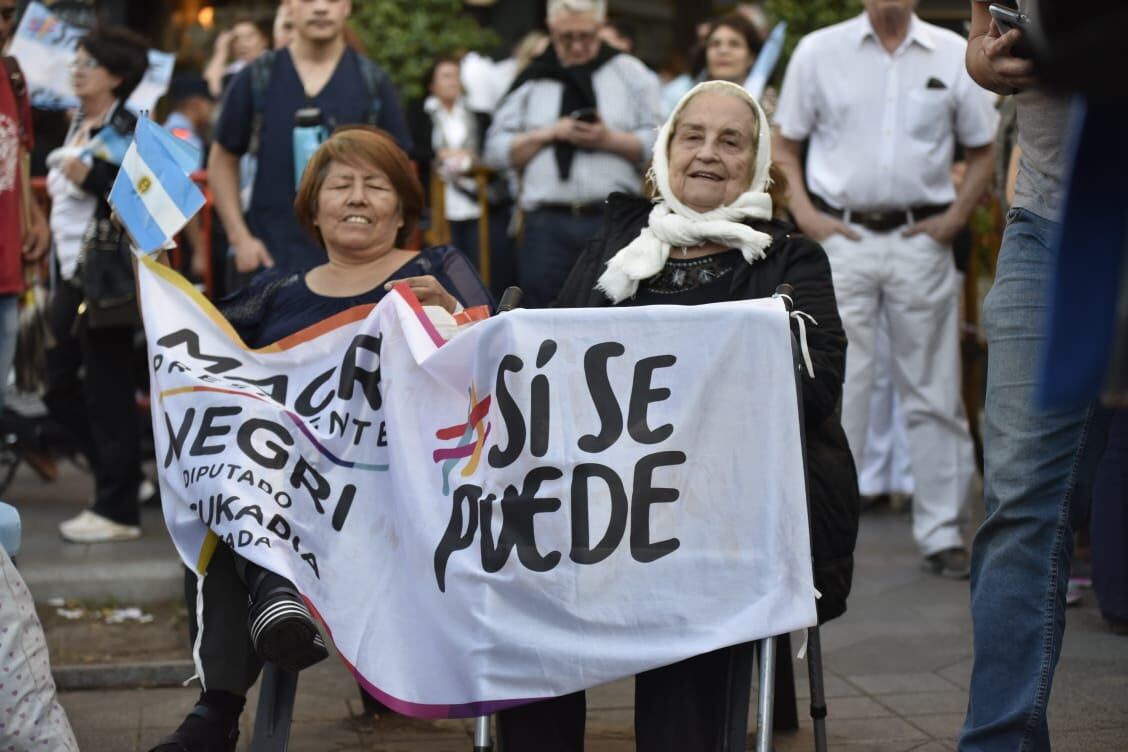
[318,70]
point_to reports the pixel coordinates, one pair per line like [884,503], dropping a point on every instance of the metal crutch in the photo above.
[483,740]
[818,698]
[814,644]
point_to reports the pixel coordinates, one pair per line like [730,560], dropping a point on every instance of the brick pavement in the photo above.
[896,665]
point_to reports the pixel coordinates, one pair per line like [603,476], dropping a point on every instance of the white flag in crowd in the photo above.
[549,501]
[45,44]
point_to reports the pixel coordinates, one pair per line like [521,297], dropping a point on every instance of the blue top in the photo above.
[344,100]
[278,302]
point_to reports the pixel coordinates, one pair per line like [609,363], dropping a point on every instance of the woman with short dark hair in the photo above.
[730,50]
[90,378]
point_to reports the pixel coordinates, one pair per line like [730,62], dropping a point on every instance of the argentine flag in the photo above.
[108,145]
[766,61]
[153,196]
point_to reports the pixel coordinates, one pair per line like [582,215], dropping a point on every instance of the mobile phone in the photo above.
[585,115]
[1007,19]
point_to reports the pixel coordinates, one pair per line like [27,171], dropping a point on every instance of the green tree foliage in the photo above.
[405,36]
[803,17]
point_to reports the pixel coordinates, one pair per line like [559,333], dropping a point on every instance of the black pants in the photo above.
[91,385]
[552,242]
[218,601]
[1109,523]
[678,708]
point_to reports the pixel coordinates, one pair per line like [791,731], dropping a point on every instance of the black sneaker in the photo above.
[206,729]
[952,563]
[283,631]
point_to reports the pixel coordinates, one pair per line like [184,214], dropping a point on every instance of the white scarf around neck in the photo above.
[672,223]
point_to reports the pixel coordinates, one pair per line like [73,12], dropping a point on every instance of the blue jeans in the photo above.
[1039,468]
[9,321]
[552,244]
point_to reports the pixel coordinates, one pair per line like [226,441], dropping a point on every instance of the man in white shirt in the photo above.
[883,99]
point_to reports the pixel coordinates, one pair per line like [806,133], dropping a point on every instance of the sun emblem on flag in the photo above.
[471,439]
[144,184]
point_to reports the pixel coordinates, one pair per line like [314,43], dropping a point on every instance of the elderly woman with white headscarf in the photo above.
[710,235]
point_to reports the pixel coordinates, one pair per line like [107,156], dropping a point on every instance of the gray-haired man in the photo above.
[579,123]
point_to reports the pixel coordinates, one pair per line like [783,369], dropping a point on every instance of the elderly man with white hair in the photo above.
[579,124]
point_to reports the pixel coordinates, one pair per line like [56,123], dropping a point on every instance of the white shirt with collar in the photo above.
[882,127]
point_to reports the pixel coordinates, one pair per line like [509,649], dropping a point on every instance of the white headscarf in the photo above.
[672,223]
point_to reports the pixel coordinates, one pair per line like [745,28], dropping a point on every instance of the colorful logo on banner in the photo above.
[471,439]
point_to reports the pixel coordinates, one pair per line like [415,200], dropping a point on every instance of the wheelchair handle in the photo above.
[510,299]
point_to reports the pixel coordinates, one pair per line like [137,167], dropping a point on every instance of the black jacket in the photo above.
[802,263]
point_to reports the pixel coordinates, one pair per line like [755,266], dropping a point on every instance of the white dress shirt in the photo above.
[882,127]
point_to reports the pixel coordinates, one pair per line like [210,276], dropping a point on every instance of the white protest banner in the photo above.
[549,501]
[45,44]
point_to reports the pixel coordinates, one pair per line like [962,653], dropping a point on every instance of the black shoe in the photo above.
[206,729]
[283,631]
[952,563]
[875,503]
[1117,626]
[373,708]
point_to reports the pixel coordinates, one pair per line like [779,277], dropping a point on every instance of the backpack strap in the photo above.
[123,121]
[260,69]
[374,80]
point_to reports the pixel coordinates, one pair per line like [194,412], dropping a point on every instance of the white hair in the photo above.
[597,8]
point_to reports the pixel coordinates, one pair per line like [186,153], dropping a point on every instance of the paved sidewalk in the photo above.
[896,665]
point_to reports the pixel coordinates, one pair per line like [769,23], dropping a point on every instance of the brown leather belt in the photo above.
[881,221]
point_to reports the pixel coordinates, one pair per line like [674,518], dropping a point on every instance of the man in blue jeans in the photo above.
[1039,464]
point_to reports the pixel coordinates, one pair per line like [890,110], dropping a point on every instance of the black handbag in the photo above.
[106,277]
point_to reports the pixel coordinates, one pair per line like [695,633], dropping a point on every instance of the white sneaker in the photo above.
[89,527]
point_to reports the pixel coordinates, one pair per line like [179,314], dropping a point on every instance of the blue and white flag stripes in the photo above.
[108,145]
[153,195]
[766,61]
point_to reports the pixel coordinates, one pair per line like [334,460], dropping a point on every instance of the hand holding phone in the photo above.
[1007,19]
[585,115]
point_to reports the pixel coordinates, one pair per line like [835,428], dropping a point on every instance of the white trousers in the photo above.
[886,465]
[914,280]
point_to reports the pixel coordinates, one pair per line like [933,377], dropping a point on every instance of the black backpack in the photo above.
[374,80]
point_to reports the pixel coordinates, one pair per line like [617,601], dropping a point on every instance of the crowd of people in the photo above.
[589,180]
